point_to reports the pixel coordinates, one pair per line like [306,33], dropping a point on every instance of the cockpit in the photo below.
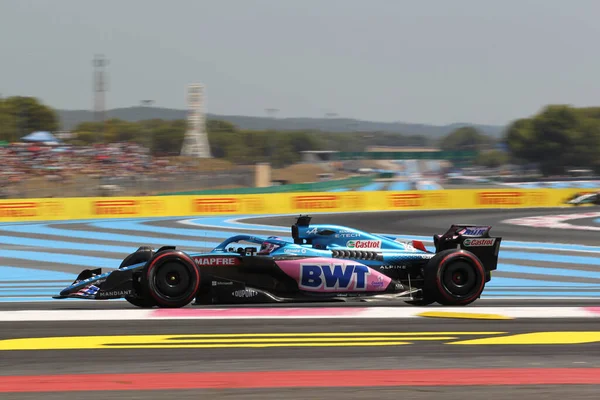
[249,245]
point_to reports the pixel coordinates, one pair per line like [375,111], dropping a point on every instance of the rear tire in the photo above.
[143,254]
[454,278]
[171,278]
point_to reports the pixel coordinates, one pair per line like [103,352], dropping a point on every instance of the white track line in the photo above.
[295,313]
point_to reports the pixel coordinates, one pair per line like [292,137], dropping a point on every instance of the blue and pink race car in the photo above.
[323,263]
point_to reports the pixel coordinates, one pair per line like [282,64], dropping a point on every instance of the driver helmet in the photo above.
[267,248]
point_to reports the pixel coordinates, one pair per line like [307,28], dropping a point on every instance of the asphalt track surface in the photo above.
[416,353]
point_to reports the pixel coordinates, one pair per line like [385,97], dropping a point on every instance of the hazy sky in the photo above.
[425,61]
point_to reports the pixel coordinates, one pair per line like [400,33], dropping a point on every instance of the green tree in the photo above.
[492,158]
[8,124]
[557,138]
[465,138]
[29,115]
[167,137]
[520,138]
[215,126]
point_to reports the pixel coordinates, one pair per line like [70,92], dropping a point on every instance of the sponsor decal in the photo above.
[90,290]
[500,198]
[354,201]
[480,242]
[438,198]
[216,261]
[222,283]
[21,209]
[347,235]
[245,293]
[379,282]
[406,200]
[473,231]
[408,246]
[415,200]
[114,293]
[330,277]
[364,244]
[155,206]
[254,204]
[294,251]
[312,231]
[116,207]
[317,202]
[215,205]
[424,256]
[391,267]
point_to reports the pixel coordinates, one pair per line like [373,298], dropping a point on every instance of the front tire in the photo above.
[454,278]
[171,278]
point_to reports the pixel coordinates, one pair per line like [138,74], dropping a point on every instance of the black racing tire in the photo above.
[454,278]
[171,278]
[143,254]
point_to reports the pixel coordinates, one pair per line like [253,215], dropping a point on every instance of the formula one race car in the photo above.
[323,263]
[579,199]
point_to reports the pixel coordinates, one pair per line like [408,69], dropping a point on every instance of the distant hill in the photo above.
[70,119]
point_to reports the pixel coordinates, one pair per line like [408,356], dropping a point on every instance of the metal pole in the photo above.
[149,133]
[99,64]
[272,113]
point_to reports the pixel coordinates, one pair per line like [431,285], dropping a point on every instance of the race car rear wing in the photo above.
[473,238]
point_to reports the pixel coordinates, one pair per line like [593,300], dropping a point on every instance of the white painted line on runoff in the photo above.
[293,313]
[74,315]
[555,221]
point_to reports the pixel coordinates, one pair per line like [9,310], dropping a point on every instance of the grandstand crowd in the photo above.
[24,164]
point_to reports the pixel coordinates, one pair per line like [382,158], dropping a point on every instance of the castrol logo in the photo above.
[364,244]
[480,242]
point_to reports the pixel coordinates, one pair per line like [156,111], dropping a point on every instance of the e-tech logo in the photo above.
[480,242]
[364,244]
[20,209]
[315,202]
[331,278]
[347,235]
[215,205]
[116,207]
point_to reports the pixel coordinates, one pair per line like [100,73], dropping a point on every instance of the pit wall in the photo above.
[82,208]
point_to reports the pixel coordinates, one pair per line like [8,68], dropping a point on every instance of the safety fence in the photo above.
[348,183]
[100,185]
[275,203]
